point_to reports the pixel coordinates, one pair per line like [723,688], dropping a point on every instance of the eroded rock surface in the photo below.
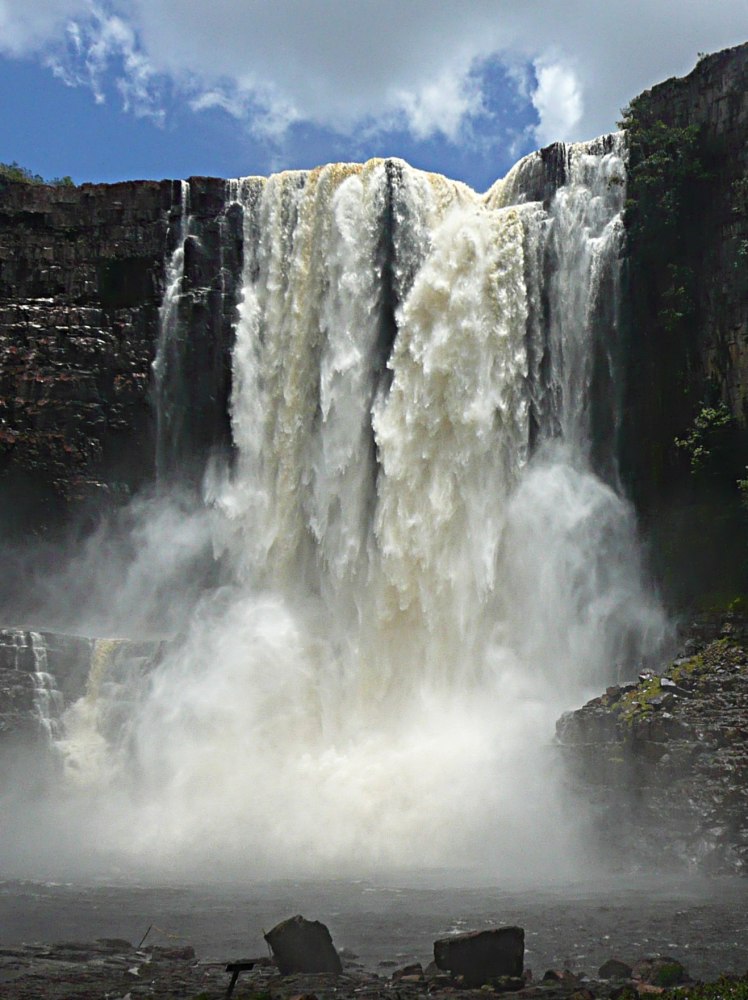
[82,278]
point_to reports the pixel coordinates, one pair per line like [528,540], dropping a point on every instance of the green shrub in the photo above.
[22,175]
[708,438]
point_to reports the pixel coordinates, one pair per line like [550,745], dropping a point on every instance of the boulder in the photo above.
[661,971]
[482,955]
[301,945]
[614,968]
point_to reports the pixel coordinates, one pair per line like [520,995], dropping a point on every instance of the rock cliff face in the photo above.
[714,100]
[82,274]
[685,301]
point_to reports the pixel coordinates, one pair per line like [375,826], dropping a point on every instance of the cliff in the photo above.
[82,274]
[685,302]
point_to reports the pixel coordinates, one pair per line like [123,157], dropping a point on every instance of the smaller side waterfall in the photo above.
[196,322]
[96,722]
[48,700]
[31,701]
[88,728]
[171,394]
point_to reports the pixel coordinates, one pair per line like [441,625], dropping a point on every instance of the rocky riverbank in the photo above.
[117,970]
[664,758]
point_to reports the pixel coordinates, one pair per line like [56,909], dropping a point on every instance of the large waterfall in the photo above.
[428,556]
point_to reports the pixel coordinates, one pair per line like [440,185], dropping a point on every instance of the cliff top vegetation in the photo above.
[22,175]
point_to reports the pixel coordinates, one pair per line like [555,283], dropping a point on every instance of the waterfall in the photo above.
[168,370]
[190,372]
[48,700]
[429,556]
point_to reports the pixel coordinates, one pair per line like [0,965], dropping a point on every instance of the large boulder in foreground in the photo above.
[301,945]
[482,955]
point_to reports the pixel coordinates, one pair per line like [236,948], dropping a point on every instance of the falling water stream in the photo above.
[428,555]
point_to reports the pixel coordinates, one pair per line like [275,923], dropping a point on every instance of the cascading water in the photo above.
[427,568]
[48,700]
[168,374]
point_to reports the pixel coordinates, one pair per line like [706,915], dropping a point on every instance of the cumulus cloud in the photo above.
[341,65]
[557,100]
[441,106]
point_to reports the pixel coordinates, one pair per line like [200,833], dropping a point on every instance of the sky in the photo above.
[107,90]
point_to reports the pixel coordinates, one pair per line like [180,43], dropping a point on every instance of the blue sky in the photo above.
[107,90]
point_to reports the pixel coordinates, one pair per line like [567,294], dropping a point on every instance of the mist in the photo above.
[137,574]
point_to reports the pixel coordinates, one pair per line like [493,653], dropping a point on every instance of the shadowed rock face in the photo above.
[690,243]
[81,271]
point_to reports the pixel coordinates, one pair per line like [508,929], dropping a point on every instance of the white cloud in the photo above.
[557,100]
[28,26]
[346,65]
[440,106]
[103,46]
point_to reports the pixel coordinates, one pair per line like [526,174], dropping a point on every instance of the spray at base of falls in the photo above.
[414,598]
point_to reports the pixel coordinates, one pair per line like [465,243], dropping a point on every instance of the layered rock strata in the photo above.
[82,273]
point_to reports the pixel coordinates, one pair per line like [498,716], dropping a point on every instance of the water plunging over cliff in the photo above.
[426,564]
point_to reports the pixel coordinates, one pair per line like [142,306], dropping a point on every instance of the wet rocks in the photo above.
[301,945]
[116,968]
[480,956]
[106,967]
[667,758]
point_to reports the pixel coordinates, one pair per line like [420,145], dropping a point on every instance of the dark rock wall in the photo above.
[81,283]
[685,301]
[81,274]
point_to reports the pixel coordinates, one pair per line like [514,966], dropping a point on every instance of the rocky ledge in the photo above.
[665,757]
